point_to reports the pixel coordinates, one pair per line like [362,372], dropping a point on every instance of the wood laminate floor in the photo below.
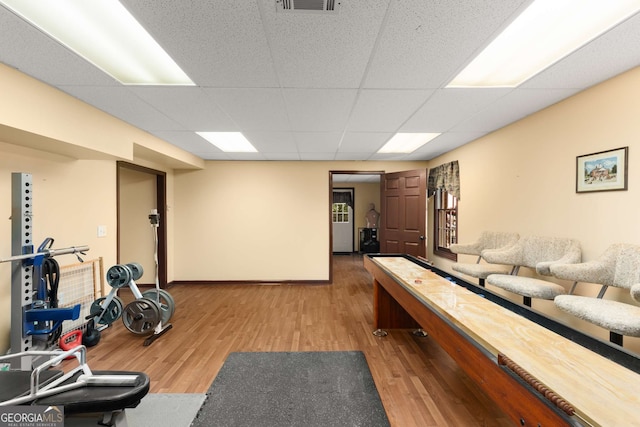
[419,384]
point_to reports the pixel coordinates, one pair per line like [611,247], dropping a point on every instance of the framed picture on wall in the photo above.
[603,171]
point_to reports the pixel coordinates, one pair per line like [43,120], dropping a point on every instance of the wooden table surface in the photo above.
[602,392]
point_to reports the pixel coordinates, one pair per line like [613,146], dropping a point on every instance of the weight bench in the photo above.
[79,391]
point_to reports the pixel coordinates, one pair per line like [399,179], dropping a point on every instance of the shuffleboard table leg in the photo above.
[380,333]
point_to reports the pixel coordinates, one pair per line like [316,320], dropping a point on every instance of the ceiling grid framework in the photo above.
[319,85]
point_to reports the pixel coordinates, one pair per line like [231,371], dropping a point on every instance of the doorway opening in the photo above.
[342,220]
[365,187]
[139,190]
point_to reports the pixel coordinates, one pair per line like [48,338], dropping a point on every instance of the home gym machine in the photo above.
[149,313]
[35,319]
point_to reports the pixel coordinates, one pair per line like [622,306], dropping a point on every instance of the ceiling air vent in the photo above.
[317,6]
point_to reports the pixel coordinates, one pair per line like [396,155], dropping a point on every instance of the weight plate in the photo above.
[167,304]
[111,313]
[117,312]
[136,270]
[141,316]
[119,275]
[170,301]
[96,307]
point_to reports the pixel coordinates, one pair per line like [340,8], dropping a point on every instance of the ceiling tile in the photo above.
[281,156]
[444,143]
[120,102]
[246,156]
[378,110]
[218,44]
[391,157]
[314,50]
[518,104]
[317,142]
[424,43]
[317,110]
[328,156]
[349,156]
[189,106]
[362,142]
[272,142]
[253,109]
[447,107]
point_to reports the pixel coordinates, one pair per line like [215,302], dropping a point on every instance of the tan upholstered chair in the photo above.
[487,240]
[635,292]
[538,253]
[619,266]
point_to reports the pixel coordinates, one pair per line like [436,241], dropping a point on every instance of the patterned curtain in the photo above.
[343,197]
[444,177]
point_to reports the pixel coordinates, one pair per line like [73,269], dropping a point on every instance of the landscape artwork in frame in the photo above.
[603,171]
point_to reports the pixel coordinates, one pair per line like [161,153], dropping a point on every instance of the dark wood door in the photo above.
[403,210]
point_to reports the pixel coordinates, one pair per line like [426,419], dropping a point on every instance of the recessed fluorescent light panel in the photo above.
[407,142]
[547,31]
[105,34]
[229,142]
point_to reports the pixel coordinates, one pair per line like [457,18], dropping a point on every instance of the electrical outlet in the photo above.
[102,231]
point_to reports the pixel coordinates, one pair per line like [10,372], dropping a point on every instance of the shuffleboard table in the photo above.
[539,371]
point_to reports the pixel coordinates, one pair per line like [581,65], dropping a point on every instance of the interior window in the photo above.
[446,224]
[340,212]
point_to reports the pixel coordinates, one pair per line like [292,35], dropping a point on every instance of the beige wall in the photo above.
[137,192]
[523,177]
[264,221]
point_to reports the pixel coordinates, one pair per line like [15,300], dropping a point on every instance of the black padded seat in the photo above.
[92,399]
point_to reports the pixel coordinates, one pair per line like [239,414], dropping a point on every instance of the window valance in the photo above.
[445,177]
[343,197]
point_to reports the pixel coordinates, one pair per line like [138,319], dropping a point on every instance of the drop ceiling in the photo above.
[319,86]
